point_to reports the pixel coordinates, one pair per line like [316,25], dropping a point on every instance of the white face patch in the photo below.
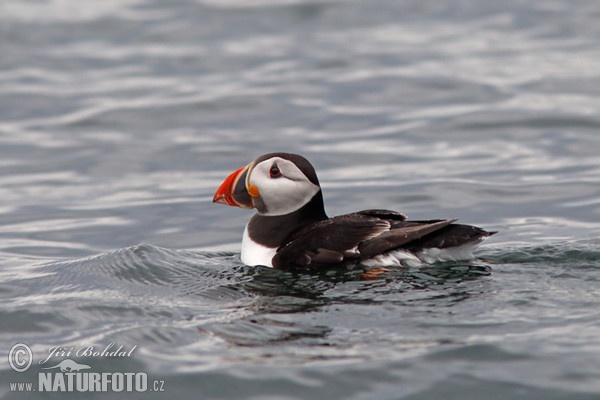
[282,194]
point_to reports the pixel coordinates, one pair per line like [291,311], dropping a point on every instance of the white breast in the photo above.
[256,254]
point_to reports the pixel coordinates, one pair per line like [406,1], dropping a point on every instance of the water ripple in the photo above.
[119,119]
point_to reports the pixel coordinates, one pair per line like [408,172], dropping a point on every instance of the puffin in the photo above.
[291,230]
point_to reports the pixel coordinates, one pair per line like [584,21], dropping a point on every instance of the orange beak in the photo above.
[233,190]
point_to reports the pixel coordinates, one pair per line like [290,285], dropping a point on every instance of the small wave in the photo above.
[577,253]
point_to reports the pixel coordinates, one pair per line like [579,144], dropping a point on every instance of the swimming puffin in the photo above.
[291,230]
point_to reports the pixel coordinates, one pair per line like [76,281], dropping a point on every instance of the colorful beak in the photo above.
[233,191]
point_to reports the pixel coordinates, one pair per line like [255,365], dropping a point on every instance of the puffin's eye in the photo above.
[275,172]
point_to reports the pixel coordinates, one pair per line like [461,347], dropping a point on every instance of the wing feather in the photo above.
[367,234]
[400,236]
[335,239]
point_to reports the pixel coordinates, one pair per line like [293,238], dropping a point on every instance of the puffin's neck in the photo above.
[272,231]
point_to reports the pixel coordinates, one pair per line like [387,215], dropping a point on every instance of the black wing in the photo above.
[363,235]
[328,242]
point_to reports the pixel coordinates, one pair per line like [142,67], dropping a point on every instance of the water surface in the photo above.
[119,119]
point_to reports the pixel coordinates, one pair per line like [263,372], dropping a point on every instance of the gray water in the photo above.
[119,119]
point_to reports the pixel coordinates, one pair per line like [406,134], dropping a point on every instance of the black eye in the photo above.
[275,172]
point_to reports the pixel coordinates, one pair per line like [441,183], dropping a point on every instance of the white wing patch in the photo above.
[381,226]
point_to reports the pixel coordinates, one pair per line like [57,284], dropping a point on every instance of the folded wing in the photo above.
[365,234]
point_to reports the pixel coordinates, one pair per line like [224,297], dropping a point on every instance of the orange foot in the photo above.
[373,274]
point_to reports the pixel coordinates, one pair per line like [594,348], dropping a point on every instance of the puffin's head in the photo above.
[274,184]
